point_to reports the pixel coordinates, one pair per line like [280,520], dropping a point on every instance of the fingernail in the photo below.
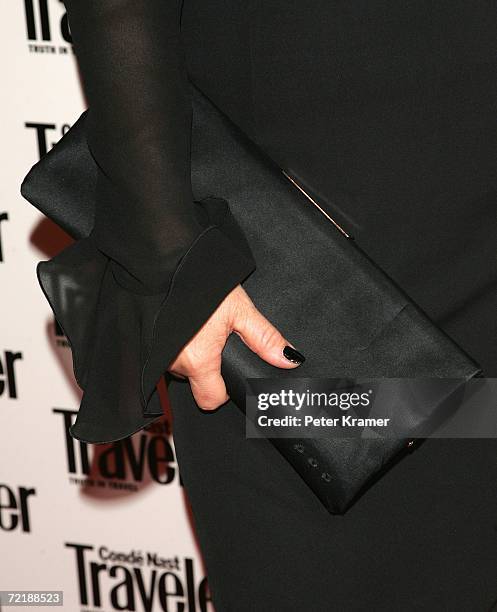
[293,355]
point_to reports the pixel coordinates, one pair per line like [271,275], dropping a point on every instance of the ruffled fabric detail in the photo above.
[122,342]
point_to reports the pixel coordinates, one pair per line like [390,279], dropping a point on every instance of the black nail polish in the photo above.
[293,355]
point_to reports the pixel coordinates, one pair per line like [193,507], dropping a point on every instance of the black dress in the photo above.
[387,109]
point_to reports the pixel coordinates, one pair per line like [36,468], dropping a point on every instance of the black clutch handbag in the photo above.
[312,281]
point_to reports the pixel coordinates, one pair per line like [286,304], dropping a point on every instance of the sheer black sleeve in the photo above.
[156,263]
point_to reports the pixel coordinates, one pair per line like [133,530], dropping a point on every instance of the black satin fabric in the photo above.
[121,338]
[347,316]
[387,110]
[123,293]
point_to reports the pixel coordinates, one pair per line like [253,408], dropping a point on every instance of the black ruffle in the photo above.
[122,341]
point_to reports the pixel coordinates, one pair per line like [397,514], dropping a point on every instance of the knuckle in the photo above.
[209,402]
[192,360]
[269,337]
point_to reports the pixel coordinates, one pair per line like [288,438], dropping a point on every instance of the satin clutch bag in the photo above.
[312,281]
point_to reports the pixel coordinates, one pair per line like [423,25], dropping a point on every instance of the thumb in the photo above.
[265,340]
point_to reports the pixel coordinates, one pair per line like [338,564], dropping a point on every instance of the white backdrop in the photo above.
[66,507]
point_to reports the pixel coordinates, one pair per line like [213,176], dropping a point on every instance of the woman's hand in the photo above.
[200,359]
